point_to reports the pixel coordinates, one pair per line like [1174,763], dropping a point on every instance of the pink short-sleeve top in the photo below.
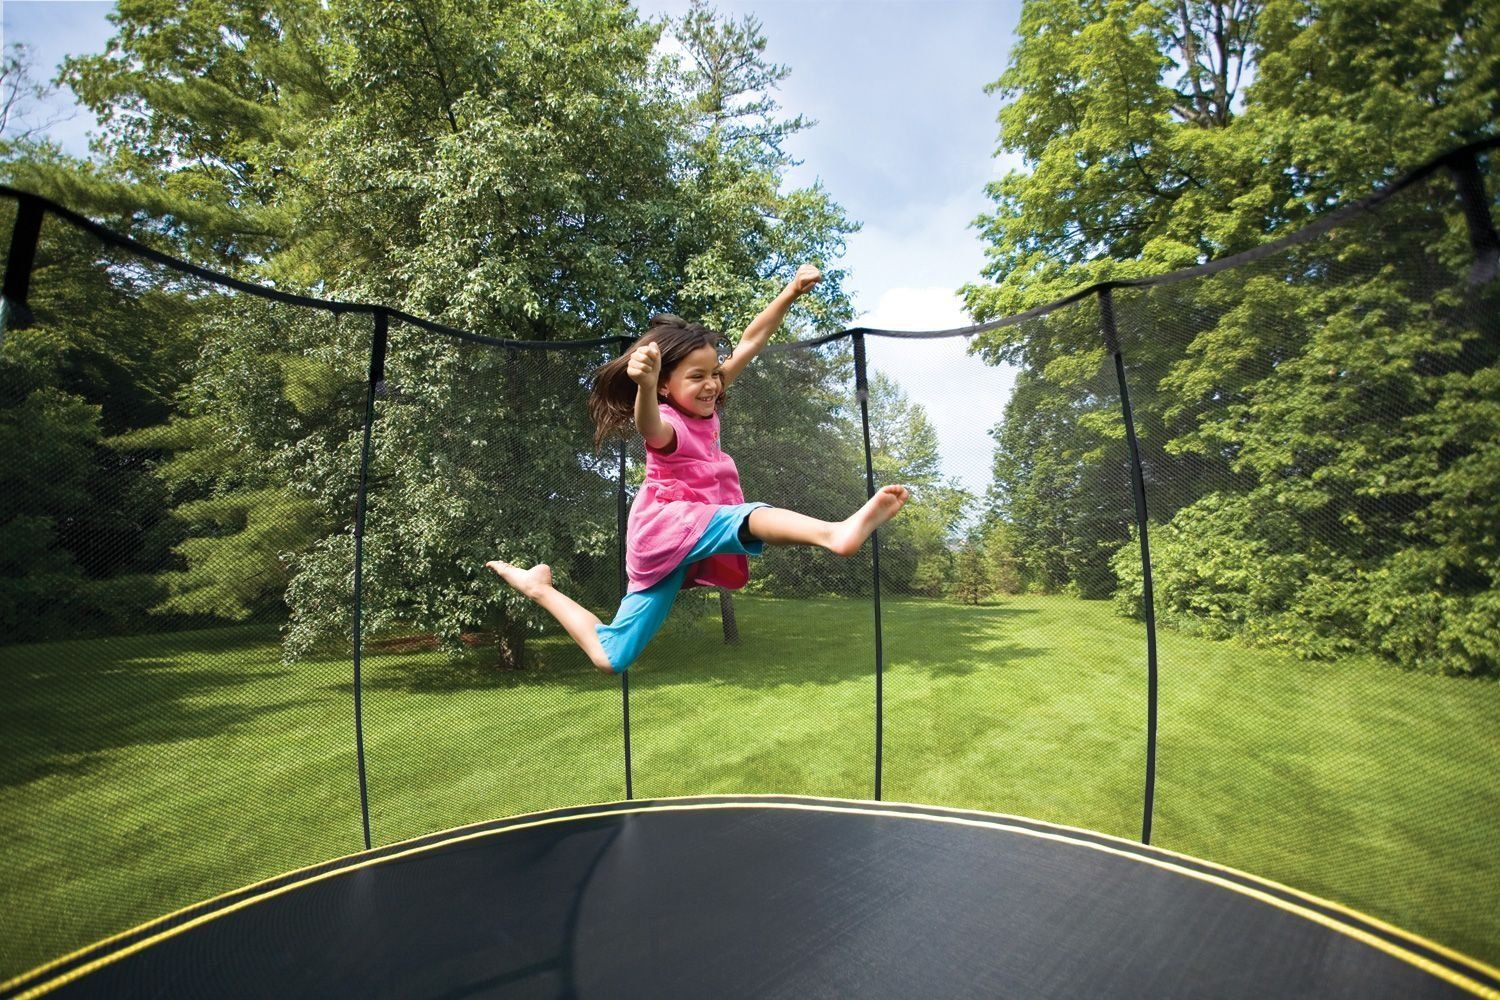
[682,490]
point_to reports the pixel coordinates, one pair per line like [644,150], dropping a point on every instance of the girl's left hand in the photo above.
[807,276]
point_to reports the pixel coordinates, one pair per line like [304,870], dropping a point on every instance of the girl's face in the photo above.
[696,384]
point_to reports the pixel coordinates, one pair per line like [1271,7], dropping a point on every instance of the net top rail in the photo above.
[1453,159]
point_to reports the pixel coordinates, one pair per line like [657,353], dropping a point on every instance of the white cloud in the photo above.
[962,395]
[929,308]
[917,246]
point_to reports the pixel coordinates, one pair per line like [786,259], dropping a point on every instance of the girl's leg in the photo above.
[536,583]
[777,526]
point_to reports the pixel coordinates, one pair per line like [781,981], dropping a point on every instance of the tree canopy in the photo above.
[532,170]
[1307,423]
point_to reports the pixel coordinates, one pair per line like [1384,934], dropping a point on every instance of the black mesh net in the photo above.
[476,703]
[1318,433]
[172,456]
[181,599]
[1011,685]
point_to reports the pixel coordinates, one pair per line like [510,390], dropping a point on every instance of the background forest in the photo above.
[1320,444]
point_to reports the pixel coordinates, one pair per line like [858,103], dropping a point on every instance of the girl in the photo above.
[690,524]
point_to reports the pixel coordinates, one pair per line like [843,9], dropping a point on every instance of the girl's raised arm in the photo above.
[758,333]
[644,368]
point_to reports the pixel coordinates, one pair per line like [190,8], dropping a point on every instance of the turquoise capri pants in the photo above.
[643,612]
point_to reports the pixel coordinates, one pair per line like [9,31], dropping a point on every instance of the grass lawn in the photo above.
[146,773]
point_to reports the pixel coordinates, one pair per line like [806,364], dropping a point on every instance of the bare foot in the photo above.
[530,582]
[580,622]
[880,508]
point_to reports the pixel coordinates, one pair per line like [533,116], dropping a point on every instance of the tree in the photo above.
[1145,153]
[1296,385]
[730,82]
[916,549]
[526,170]
[19,94]
[84,522]
[971,583]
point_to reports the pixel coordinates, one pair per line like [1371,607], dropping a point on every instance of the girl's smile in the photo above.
[696,384]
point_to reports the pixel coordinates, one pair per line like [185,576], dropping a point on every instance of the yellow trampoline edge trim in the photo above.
[392,852]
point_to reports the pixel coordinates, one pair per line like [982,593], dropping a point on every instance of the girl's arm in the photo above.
[758,333]
[644,368]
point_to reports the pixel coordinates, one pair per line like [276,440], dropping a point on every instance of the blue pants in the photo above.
[643,612]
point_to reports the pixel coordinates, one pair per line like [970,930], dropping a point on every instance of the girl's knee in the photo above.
[599,655]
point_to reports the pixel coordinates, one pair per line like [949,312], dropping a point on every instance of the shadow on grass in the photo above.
[474,670]
[831,642]
[783,641]
[65,706]
[68,705]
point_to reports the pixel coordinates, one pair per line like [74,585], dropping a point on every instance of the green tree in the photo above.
[527,170]
[76,524]
[1297,385]
[84,522]
[971,581]
[729,82]
[916,555]
[1147,152]
[1001,562]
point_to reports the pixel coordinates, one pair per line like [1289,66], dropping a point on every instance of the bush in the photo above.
[1224,569]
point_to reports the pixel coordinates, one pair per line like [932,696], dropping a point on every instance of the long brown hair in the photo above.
[612,395]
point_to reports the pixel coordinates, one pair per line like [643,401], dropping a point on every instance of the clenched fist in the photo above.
[807,276]
[644,366]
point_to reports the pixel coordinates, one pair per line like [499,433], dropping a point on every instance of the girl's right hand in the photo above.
[644,365]
[807,276]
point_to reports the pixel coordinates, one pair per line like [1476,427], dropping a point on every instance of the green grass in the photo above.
[146,773]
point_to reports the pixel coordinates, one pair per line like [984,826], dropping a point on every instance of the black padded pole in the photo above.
[14,312]
[862,390]
[621,517]
[376,387]
[1138,486]
[1476,203]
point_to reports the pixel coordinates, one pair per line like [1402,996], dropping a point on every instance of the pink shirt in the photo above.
[682,490]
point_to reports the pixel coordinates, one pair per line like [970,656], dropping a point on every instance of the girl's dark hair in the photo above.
[612,395]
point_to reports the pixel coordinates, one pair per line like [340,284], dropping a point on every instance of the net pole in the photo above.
[1483,239]
[862,391]
[621,520]
[376,386]
[14,312]
[1138,489]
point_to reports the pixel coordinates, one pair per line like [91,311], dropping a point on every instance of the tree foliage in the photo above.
[1304,421]
[916,549]
[528,170]
[84,521]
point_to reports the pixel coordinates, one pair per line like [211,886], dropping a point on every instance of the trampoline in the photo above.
[767,896]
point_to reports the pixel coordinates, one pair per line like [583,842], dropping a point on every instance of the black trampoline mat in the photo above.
[765,897]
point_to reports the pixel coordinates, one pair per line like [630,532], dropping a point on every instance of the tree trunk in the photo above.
[726,612]
[510,642]
[510,649]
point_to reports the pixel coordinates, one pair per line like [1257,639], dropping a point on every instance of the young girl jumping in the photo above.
[690,525]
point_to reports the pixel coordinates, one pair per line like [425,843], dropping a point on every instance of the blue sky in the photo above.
[905,142]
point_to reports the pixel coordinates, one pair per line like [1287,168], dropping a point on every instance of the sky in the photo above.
[905,141]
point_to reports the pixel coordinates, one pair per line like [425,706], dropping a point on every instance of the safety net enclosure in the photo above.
[1218,597]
